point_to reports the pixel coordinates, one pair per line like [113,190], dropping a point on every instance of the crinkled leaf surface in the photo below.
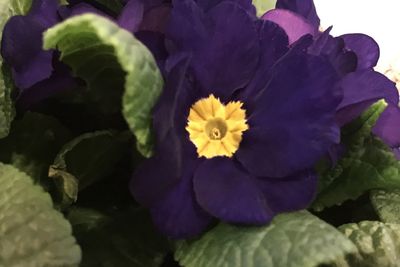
[387,205]
[293,239]
[8,8]
[263,6]
[112,62]
[367,164]
[32,233]
[378,243]
[123,237]
[33,143]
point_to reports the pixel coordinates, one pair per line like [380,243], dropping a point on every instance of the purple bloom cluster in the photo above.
[295,86]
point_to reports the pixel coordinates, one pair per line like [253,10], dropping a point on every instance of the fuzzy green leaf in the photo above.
[113,63]
[368,164]
[387,205]
[32,233]
[290,240]
[378,243]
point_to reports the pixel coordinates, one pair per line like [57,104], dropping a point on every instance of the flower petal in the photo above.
[305,8]
[275,44]
[361,89]
[131,15]
[387,127]
[21,48]
[365,47]
[230,194]
[294,25]
[177,214]
[289,194]
[293,122]
[245,4]
[156,18]
[215,55]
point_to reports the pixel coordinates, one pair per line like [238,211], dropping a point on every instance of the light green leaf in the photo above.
[111,60]
[290,240]
[32,233]
[86,159]
[378,243]
[387,205]
[33,143]
[124,237]
[263,6]
[368,164]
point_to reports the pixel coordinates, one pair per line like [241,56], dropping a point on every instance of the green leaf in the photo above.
[263,6]
[113,5]
[387,205]
[111,60]
[368,164]
[33,143]
[378,243]
[119,238]
[8,8]
[293,239]
[85,160]
[32,233]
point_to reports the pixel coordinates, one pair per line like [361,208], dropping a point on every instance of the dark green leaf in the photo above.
[33,143]
[368,164]
[119,238]
[113,63]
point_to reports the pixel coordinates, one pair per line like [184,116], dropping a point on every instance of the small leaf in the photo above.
[123,237]
[90,157]
[33,144]
[263,6]
[378,243]
[290,240]
[113,63]
[368,164]
[32,233]
[387,205]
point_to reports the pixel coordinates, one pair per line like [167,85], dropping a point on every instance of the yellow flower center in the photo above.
[216,129]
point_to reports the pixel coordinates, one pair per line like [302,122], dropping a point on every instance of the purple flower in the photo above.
[241,123]
[353,55]
[39,74]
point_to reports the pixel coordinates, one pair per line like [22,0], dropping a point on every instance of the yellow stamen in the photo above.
[216,129]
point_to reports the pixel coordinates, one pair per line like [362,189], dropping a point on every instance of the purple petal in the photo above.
[361,89]
[289,194]
[304,8]
[230,194]
[156,18]
[45,12]
[294,25]
[294,122]
[131,15]
[365,47]
[387,127]
[275,44]
[245,4]
[60,81]
[343,60]
[177,214]
[79,9]
[21,48]
[155,176]
[216,55]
